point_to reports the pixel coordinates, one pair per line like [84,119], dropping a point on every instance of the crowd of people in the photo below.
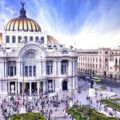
[43,104]
[47,105]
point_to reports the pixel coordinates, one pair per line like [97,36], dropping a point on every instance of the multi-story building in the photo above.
[114,64]
[94,61]
[31,58]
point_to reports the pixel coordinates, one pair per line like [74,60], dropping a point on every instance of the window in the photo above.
[34,70]
[30,70]
[7,39]
[96,59]
[64,52]
[11,71]
[13,39]
[26,70]
[48,72]
[49,67]
[36,39]
[15,70]
[106,60]
[106,52]
[25,38]
[31,38]
[54,46]
[42,39]
[19,39]
[61,46]
[64,67]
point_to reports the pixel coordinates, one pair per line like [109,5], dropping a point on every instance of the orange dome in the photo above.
[22,23]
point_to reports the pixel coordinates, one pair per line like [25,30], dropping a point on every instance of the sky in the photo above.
[85,24]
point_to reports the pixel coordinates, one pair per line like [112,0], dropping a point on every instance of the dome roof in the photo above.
[22,23]
[52,40]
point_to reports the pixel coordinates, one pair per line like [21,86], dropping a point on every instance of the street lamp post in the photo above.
[23,110]
[23,84]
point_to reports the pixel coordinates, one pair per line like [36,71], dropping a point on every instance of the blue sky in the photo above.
[82,23]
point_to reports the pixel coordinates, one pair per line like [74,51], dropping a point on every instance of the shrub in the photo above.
[103,87]
[31,116]
[85,112]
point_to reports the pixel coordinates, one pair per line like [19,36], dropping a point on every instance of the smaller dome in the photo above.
[22,23]
[0,37]
[51,40]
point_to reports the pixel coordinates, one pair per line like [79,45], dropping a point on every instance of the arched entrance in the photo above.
[104,73]
[64,85]
[50,86]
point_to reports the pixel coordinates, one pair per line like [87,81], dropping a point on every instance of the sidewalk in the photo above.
[1,116]
[100,108]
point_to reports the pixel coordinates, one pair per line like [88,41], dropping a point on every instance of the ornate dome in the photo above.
[52,40]
[22,23]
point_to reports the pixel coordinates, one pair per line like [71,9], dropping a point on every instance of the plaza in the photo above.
[41,76]
[59,103]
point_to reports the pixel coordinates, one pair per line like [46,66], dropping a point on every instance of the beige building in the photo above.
[114,63]
[94,61]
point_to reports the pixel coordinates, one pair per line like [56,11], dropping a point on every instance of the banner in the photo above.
[38,85]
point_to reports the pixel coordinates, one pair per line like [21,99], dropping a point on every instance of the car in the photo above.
[96,79]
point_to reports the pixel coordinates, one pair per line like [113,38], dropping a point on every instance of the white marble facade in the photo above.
[31,56]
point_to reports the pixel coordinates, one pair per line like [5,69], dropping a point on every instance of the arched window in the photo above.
[30,55]
[64,52]
[49,67]
[30,67]
[64,67]
[64,85]
[116,64]
[11,68]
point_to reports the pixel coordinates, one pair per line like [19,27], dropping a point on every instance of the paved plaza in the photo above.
[54,108]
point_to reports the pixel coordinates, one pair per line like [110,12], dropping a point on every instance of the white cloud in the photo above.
[4,17]
[95,32]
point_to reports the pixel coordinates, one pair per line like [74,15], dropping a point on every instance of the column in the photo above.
[8,88]
[5,87]
[1,86]
[16,91]
[54,67]
[59,67]
[73,68]
[5,69]
[43,68]
[53,85]
[18,87]
[38,88]
[18,68]
[44,87]
[30,88]
[38,68]
[58,85]
[70,68]
[21,68]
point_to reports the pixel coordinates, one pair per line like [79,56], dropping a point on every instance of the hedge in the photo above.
[28,116]
[85,112]
[111,103]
